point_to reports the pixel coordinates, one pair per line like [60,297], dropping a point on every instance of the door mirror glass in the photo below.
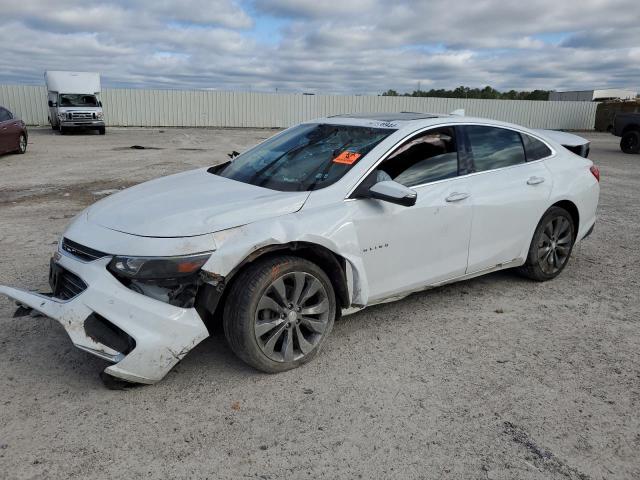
[100,104]
[393,192]
[52,104]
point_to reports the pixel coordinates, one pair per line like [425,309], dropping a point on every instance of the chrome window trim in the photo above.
[452,124]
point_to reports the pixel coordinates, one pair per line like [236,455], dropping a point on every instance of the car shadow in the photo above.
[52,354]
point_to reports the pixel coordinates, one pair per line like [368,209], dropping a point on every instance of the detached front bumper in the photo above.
[163,333]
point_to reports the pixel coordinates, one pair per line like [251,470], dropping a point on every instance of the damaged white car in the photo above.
[322,219]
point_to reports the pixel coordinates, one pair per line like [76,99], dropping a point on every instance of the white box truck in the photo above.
[74,101]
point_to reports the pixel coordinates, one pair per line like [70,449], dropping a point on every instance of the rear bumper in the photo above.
[589,232]
[163,333]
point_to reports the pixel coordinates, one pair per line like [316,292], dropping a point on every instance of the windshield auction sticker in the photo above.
[347,157]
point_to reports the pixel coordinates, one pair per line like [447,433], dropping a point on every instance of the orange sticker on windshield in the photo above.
[346,157]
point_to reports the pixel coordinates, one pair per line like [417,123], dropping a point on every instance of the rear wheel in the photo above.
[630,142]
[551,245]
[279,312]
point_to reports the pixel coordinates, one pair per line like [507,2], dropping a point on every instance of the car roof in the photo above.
[390,116]
[406,120]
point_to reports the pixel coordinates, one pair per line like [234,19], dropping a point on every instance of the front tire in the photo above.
[22,144]
[279,313]
[102,130]
[630,142]
[551,246]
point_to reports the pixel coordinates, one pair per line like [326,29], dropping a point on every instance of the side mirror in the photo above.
[393,192]
[99,103]
[51,104]
[233,154]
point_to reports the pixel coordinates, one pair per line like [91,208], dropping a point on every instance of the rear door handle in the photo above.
[535,180]
[456,197]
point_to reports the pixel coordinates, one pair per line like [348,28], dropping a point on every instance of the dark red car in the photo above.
[13,133]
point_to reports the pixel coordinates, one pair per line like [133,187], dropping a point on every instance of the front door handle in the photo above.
[457,196]
[535,180]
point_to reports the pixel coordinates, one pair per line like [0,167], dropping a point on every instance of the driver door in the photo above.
[406,248]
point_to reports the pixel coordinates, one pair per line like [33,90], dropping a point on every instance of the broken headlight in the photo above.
[173,280]
[158,268]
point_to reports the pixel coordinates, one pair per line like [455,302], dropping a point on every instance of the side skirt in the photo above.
[516,262]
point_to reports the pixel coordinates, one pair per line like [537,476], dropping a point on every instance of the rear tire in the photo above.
[279,313]
[551,246]
[630,142]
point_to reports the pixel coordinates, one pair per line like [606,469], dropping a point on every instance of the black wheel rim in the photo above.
[554,245]
[629,142]
[292,317]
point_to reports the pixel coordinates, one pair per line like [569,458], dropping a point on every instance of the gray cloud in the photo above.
[352,46]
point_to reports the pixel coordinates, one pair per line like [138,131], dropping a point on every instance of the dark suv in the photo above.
[627,126]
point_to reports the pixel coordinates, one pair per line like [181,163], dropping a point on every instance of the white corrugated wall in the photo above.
[207,108]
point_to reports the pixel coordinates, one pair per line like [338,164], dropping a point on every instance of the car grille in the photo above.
[65,285]
[80,251]
[82,115]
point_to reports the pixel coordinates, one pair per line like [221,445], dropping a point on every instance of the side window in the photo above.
[534,148]
[4,115]
[427,157]
[494,147]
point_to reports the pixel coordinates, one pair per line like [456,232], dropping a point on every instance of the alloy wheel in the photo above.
[292,317]
[554,246]
[23,144]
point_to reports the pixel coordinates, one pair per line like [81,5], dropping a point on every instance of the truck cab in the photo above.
[74,101]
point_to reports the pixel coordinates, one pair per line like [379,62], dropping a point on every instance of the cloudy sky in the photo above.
[321,46]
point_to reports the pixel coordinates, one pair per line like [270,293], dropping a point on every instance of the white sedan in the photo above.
[322,219]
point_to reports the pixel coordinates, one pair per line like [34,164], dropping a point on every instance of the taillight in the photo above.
[596,172]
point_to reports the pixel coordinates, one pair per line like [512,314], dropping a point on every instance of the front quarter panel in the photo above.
[330,227]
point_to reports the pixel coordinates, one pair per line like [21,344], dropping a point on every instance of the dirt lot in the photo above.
[496,378]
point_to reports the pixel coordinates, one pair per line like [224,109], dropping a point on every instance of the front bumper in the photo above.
[82,123]
[163,333]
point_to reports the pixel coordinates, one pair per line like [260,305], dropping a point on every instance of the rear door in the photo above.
[509,193]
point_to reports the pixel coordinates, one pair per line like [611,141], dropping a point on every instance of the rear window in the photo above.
[534,148]
[494,147]
[306,157]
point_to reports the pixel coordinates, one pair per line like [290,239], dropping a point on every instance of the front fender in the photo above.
[334,233]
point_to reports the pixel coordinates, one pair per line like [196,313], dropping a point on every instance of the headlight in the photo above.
[62,116]
[100,115]
[156,268]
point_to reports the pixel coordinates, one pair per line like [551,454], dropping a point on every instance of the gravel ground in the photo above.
[496,377]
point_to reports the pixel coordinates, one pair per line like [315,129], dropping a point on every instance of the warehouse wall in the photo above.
[207,108]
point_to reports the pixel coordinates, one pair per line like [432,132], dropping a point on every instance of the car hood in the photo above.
[191,203]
